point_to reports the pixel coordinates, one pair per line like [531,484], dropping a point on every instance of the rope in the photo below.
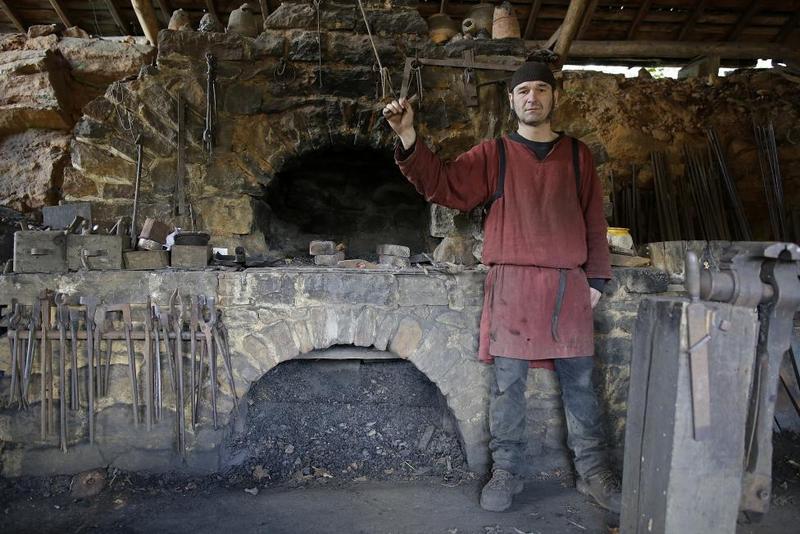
[386,81]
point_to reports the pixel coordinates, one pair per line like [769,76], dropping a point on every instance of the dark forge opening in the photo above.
[336,420]
[355,196]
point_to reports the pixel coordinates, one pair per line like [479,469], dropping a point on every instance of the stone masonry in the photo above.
[274,315]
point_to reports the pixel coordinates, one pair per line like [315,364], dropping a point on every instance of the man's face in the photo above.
[532,102]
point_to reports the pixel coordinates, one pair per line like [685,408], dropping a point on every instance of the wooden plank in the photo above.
[164,12]
[696,14]
[744,20]
[587,19]
[62,15]
[644,7]
[112,8]
[791,25]
[536,5]
[676,50]
[569,28]
[146,16]
[11,16]
[265,12]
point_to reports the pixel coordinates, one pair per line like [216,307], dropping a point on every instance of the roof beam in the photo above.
[587,19]
[165,13]
[572,20]
[644,7]
[10,14]
[744,20]
[536,5]
[676,50]
[699,8]
[62,15]
[791,24]
[112,8]
[146,16]
[211,8]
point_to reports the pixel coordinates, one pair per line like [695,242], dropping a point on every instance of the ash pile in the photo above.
[351,420]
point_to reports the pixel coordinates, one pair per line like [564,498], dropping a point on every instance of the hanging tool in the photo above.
[211,104]
[30,350]
[221,340]
[157,344]
[177,312]
[193,383]
[62,316]
[14,320]
[108,326]
[148,367]
[127,325]
[134,233]
[207,328]
[74,318]
[45,388]
[90,302]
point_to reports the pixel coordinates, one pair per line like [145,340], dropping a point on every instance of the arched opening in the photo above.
[345,413]
[356,196]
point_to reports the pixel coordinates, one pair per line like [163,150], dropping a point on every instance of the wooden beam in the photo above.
[744,20]
[264,13]
[572,20]
[696,14]
[553,38]
[676,50]
[212,9]
[62,15]
[644,7]
[10,14]
[112,8]
[147,19]
[791,25]
[587,19]
[536,5]
[164,11]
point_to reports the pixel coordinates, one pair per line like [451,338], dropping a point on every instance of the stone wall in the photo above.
[274,315]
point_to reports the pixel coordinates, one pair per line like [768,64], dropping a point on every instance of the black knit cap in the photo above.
[532,71]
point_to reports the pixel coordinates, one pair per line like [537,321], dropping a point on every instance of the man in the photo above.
[545,241]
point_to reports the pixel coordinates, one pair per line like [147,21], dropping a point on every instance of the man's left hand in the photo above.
[594,295]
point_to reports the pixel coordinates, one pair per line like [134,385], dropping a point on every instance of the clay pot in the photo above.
[441,28]
[243,22]
[478,18]
[209,24]
[505,23]
[180,20]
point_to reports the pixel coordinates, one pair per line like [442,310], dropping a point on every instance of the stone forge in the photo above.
[275,315]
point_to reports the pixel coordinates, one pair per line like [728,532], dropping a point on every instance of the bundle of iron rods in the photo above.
[667,200]
[771,176]
[740,229]
[632,208]
[706,192]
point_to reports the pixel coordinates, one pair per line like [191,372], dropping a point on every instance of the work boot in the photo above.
[497,494]
[604,488]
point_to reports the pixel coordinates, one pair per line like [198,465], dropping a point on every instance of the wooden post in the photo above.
[10,14]
[62,15]
[147,19]
[744,20]
[164,12]
[536,5]
[264,13]
[697,12]
[587,19]
[572,21]
[640,15]
[112,8]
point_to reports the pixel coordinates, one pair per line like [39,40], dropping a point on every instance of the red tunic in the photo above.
[540,227]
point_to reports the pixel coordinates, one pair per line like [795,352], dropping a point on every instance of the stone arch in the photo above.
[462,380]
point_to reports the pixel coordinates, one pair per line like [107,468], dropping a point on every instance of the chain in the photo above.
[123,117]
[386,82]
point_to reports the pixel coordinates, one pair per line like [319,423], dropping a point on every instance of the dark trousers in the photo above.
[507,410]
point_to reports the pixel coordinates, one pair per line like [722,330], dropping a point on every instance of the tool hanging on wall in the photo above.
[139,147]
[386,81]
[211,104]
[316,4]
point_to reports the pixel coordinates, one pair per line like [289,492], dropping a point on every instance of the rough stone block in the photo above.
[333,16]
[416,290]
[31,164]
[394,262]
[387,325]
[357,49]
[613,349]
[407,338]
[242,99]
[318,248]
[268,43]
[365,327]
[393,22]
[442,223]
[642,280]
[349,288]
[303,46]
[455,249]
[394,250]
[231,215]
[134,460]
[328,260]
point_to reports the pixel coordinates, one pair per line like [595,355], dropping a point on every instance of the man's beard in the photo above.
[535,123]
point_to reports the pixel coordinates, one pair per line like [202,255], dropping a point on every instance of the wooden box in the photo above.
[146,260]
[190,256]
[102,252]
[40,251]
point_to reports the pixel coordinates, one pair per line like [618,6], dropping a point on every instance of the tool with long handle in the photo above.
[207,328]
[45,395]
[128,326]
[91,307]
[148,364]
[177,312]
[157,376]
[74,318]
[62,315]
[14,320]
[30,350]
[134,233]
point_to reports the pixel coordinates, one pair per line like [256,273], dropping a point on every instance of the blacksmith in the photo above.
[545,243]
